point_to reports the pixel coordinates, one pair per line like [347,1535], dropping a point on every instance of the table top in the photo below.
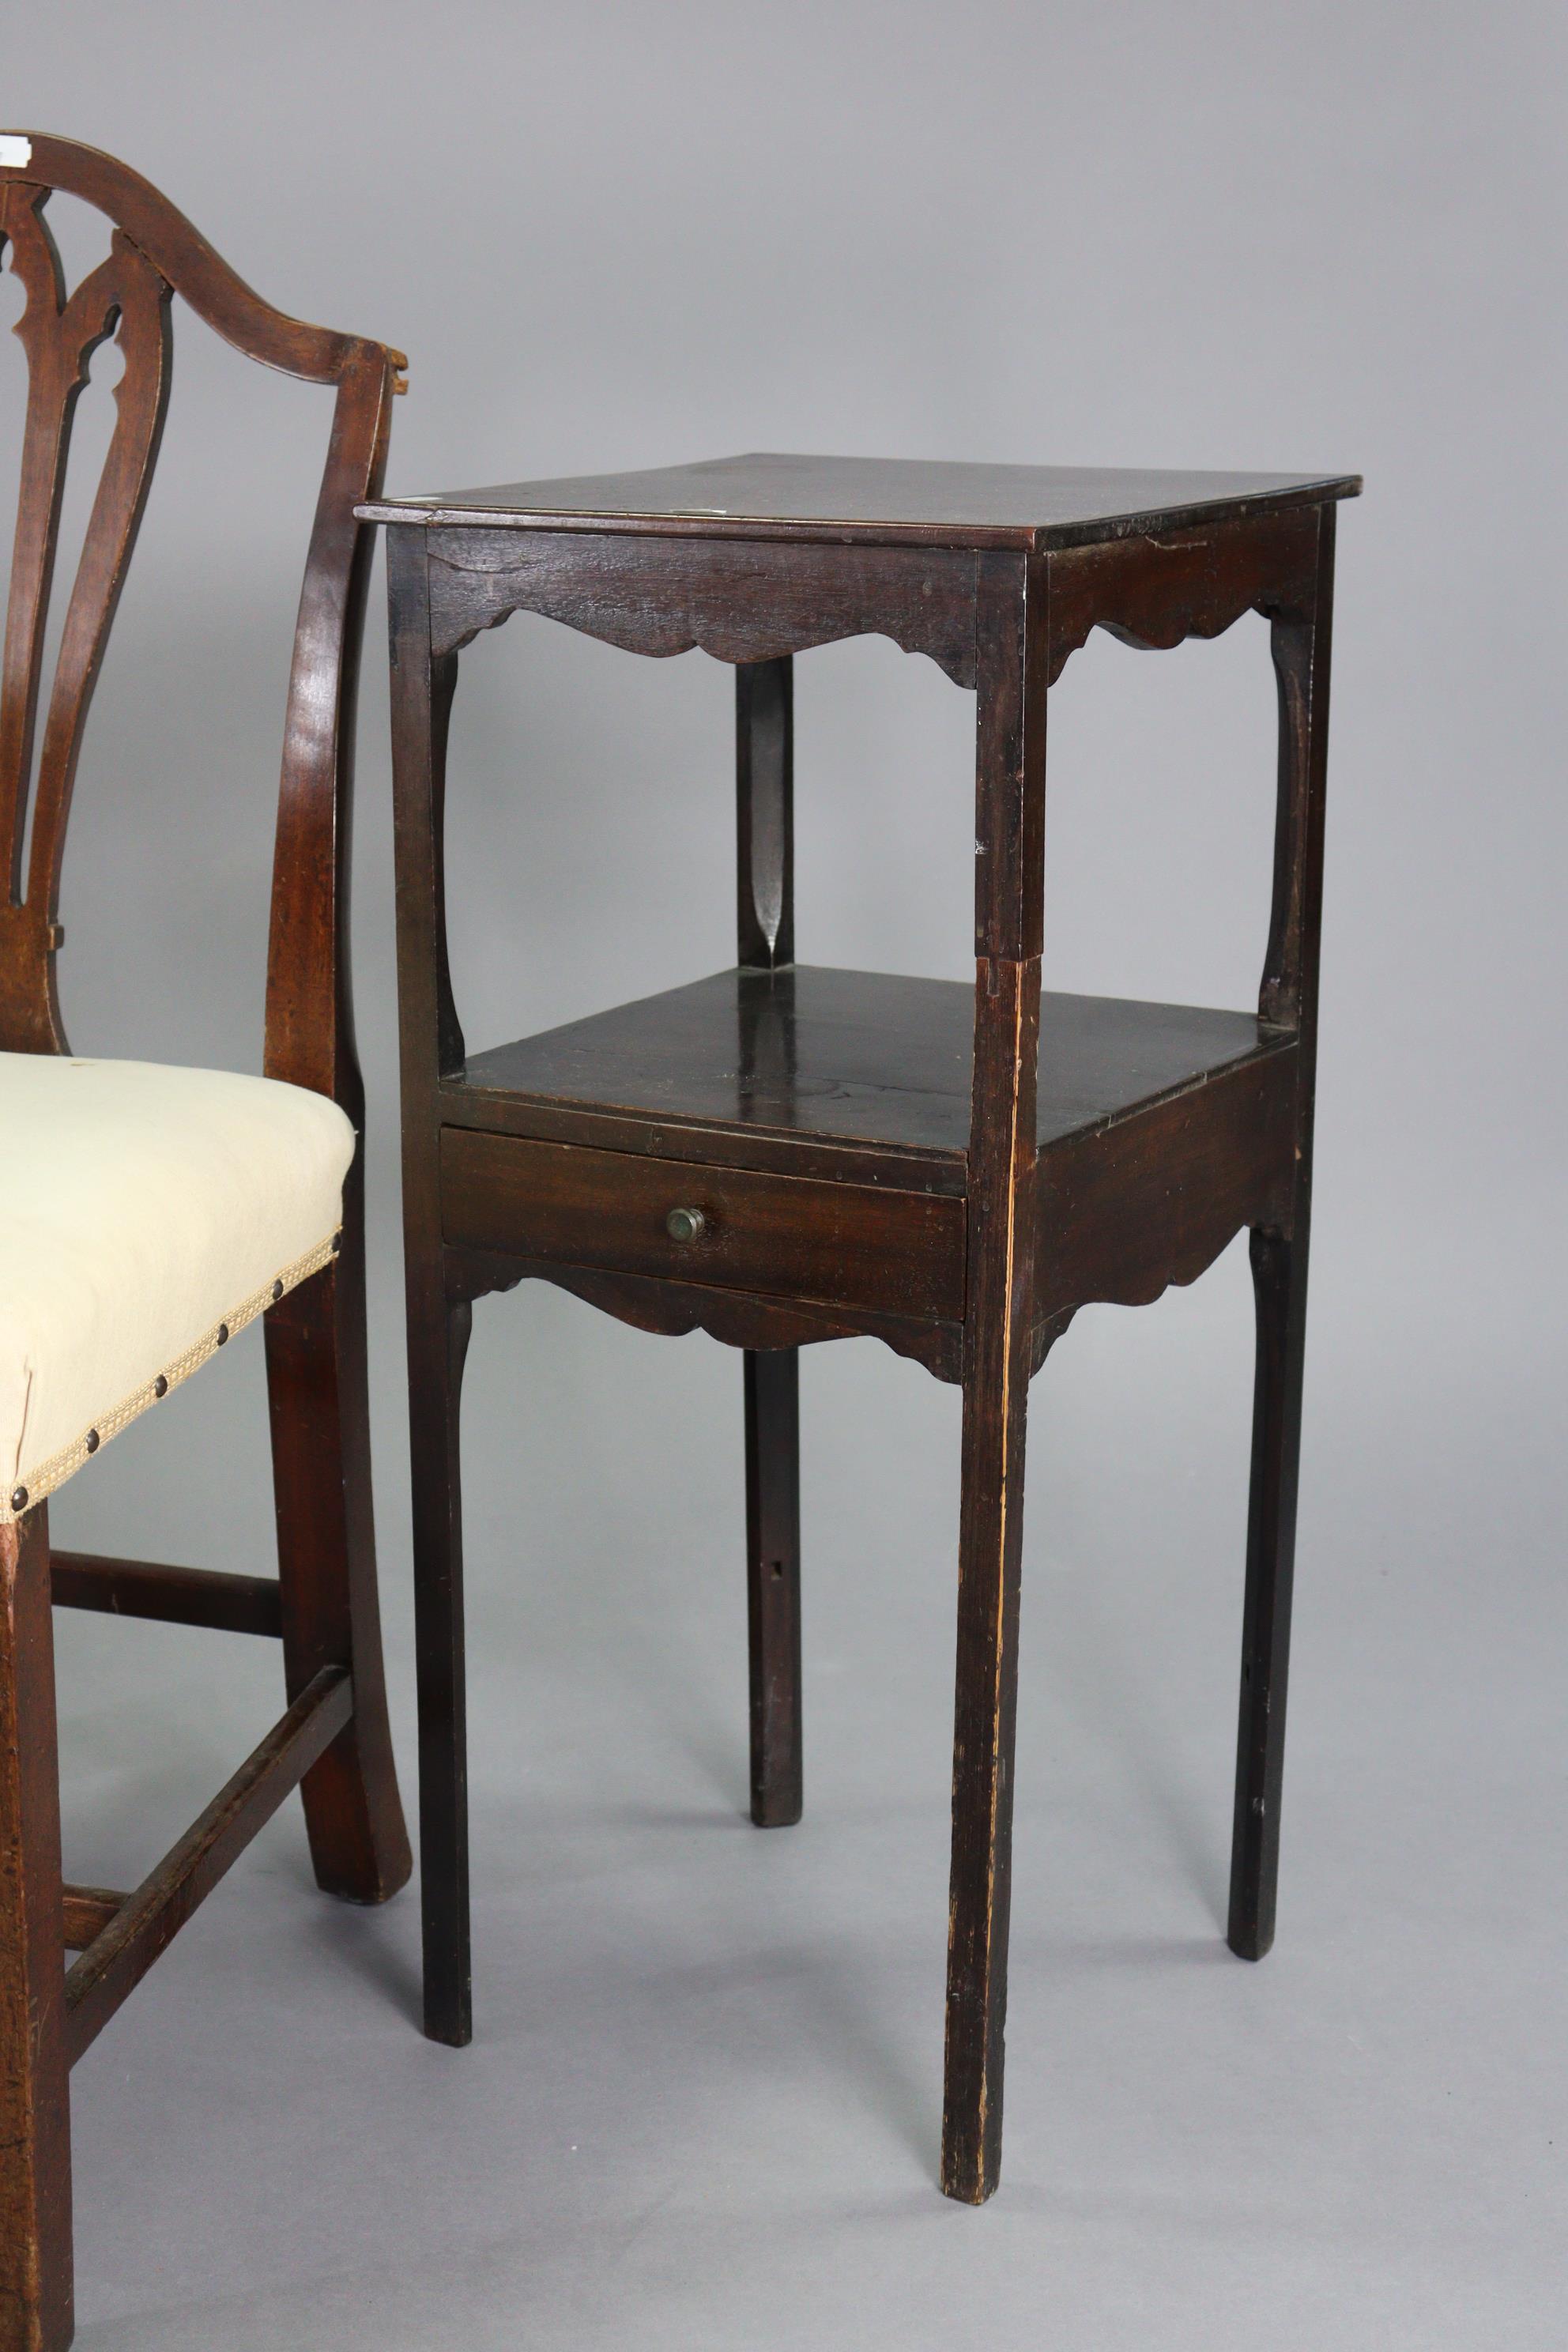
[872,499]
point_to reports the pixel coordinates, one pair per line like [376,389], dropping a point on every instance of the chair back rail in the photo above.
[155,254]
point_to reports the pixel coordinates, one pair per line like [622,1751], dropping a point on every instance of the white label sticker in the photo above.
[14,151]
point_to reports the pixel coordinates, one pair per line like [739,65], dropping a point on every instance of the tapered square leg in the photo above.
[1279,1283]
[986,1715]
[1009,832]
[773,1582]
[438,1329]
[990,1562]
[36,2313]
[1301,638]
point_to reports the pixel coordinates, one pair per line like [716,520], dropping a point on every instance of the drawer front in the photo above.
[783,1236]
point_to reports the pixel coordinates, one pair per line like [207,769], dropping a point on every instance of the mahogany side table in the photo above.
[781,1155]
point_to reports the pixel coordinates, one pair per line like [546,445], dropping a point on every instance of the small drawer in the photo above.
[782,1236]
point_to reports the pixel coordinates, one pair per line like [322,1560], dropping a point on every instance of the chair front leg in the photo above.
[318,1388]
[36,2313]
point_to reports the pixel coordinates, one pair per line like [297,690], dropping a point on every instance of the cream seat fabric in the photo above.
[146,1214]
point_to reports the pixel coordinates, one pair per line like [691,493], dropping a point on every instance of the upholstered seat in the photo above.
[146,1214]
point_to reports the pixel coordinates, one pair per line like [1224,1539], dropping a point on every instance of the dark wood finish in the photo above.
[1009,845]
[174,1596]
[35,2102]
[88,1911]
[439,1311]
[846,1245]
[740,601]
[957,1171]
[805,1152]
[438,1349]
[848,500]
[1126,1210]
[1301,644]
[144,1925]
[765,820]
[318,1387]
[1196,584]
[771,1389]
[860,1077]
[764,946]
[738,1317]
[125,295]
[324,1604]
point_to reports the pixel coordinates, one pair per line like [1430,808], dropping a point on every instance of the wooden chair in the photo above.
[146,1214]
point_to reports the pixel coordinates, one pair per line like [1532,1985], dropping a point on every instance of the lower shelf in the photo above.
[775,1159]
[859,1076]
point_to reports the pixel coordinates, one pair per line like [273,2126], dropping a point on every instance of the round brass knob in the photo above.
[684,1225]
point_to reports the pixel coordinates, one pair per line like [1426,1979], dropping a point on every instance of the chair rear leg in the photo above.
[36,2313]
[318,1388]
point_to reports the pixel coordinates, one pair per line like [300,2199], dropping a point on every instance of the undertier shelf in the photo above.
[811,1056]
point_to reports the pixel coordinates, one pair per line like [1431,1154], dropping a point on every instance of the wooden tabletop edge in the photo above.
[1034,538]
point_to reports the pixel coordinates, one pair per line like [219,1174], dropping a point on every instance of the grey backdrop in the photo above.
[701,2106]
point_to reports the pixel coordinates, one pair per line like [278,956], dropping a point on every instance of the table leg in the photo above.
[438,1329]
[995,1401]
[1279,1283]
[773,1582]
[764,901]
[1301,647]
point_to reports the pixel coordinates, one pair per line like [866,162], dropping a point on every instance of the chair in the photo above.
[148,1213]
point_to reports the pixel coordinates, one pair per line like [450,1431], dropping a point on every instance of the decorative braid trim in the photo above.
[43,1477]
